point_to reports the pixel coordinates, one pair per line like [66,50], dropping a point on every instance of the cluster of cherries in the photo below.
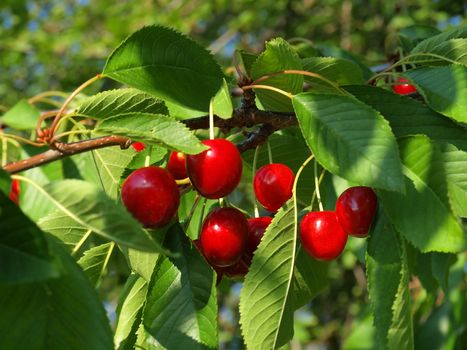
[228,239]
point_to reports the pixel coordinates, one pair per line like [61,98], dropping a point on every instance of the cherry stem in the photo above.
[321,176]
[185,181]
[69,99]
[318,194]
[192,211]
[267,87]
[211,121]
[72,132]
[4,151]
[20,139]
[200,223]
[269,151]
[81,242]
[51,93]
[255,161]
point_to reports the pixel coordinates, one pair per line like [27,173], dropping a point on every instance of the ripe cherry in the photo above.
[223,236]
[355,209]
[239,269]
[177,165]
[273,185]
[14,193]
[217,171]
[256,228]
[138,146]
[322,236]
[151,195]
[402,87]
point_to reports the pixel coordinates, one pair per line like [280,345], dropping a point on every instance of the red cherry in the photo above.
[402,88]
[217,171]
[256,228]
[321,235]
[151,195]
[355,209]
[138,146]
[14,193]
[239,269]
[273,185]
[177,165]
[223,236]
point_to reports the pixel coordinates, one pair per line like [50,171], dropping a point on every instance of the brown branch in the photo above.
[242,117]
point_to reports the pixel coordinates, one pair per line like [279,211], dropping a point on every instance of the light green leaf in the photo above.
[172,67]
[278,56]
[89,207]
[409,117]
[62,313]
[153,128]
[444,89]
[129,312]
[222,103]
[383,261]
[94,262]
[269,285]
[113,102]
[24,253]
[22,116]
[59,224]
[338,70]
[437,229]
[181,307]
[350,139]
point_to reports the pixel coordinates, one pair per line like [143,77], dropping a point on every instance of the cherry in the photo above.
[402,88]
[355,209]
[177,165]
[273,185]
[151,195]
[14,193]
[223,236]
[138,146]
[256,228]
[239,269]
[322,236]
[217,171]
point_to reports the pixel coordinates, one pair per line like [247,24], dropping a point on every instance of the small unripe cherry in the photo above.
[256,229]
[223,236]
[402,87]
[177,165]
[355,209]
[217,171]
[151,195]
[322,236]
[273,185]
[138,146]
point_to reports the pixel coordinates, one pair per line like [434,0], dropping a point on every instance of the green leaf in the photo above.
[350,139]
[383,261]
[338,70]
[444,89]
[89,207]
[24,253]
[400,335]
[440,264]
[222,103]
[5,182]
[450,51]
[113,102]
[436,230]
[62,226]
[153,128]
[94,262]
[269,285]
[247,59]
[409,117]
[22,116]
[171,67]
[129,312]
[62,313]
[184,210]
[181,307]
[278,56]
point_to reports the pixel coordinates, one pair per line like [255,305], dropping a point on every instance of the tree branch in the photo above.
[245,116]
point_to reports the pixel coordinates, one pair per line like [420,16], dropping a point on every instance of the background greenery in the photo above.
[57,44]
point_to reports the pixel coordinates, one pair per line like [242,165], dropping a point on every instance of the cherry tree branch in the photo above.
[245,116]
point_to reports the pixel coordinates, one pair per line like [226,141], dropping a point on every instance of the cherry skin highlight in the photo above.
[138,146]
[356,208]
[256,228]
[273,185]
[177,165]
[223,236]
[151,195]
[402,87]
[322,236]
[217,171]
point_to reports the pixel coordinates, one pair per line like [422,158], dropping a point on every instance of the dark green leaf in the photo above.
[172,67]
[338,70]
[350,139]
[5,182]
[153,128]
[22,116]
